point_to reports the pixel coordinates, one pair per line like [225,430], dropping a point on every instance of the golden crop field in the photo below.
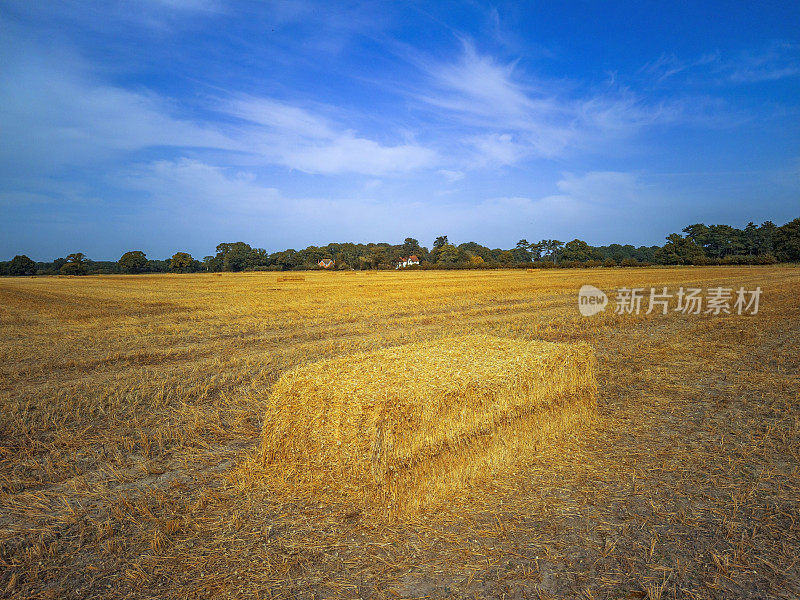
[133,408]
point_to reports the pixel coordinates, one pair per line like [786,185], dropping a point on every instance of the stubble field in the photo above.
[132,408]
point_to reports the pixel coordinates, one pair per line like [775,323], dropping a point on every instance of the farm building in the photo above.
[407,262]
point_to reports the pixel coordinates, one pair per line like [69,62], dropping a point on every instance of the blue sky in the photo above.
[167,125]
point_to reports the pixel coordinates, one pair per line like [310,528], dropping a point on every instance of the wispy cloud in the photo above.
[451,176]
[55,111]
[284,134]
[581,203]
[668,65]
[776,60]
[511,115]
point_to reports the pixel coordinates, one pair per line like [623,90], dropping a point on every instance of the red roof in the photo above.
[413,258]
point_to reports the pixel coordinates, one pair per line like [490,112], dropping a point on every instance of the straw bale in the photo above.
[401,428]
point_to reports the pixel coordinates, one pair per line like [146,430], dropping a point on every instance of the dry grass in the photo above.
[406,427]
[130,408]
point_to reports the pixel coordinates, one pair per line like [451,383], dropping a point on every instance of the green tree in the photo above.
[134,261]
[679,251]
[182,262]
[698,233]
[580,251]
[551,249]
[751,238]
[475,249]
[411,246]
[536,250]
[447,254]
[439,242]
[259,257]
[21,265]
[75,264]
[310,257]
[786,241]
[286,259]
[522,252]
[766,233]
[235,256]
[376,257]
[212,263]
[506,257]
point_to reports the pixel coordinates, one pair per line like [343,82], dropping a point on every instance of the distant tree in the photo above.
[786,241]
[766,233]
[679,250]
[182,262]
[723,240]
[134,261]
[475,249]
[157,266]
[579,250]
[377,257]
[259,257]
[310,257]
[717,241]
[439,242]
[75,264]
[476,261]
[522,252]
[698,233]
[448,254]
[235,256]
[551,249]
[645,254]
[286,259]
[506,257]
[212,263]
[21,265]
[751,238]
[411,246]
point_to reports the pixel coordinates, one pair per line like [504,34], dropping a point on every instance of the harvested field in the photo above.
[405,427]
[132,417]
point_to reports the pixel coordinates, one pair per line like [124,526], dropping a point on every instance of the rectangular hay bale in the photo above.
[400,428]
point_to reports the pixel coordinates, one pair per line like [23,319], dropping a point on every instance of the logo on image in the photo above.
[591,300]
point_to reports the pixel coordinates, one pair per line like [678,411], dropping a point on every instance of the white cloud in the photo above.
[451,176]
[350,154]
[200,184]
[513,116]
[53,112]
[776,60]
[281,117]
[668,65]
[587,202]
[285,134]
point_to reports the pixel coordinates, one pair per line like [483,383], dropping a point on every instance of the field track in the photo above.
[132,407]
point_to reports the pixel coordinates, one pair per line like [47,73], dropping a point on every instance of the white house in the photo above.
[407,262]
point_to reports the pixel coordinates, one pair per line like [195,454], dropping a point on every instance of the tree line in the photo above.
[698,244]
